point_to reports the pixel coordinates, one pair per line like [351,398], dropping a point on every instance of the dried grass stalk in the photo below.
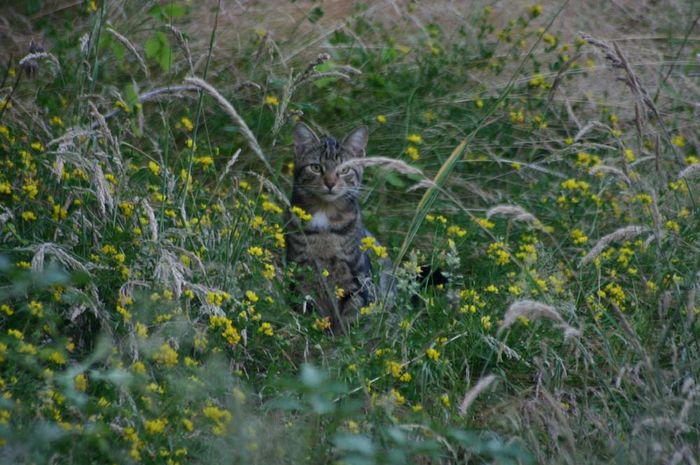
[690,171]
[618,60]
[49,248]
[31,59]
[628,232]
[611,170]
[270,186]
[530,309]
[474,392]
[232,161]
[391,164]
[533,310]
[152,223]
[231,111]
[104,196]
[422,184]
[127,43]
[102,122]
[171,272]
[5,216]
[513,211]
[385,162]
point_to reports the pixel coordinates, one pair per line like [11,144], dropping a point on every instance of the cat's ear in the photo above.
[356,141]
[304,138]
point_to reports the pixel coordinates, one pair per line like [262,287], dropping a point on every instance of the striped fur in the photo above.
[327,248]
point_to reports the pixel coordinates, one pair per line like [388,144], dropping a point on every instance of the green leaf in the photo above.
[326,66]
[354,443]
[388,54]
[118,49]
[158,48]
[152,46]
[167,12]
[321,404]
[395,180]
[174,11]
[131,95]
[156,12]
[316,14]
[323,82]
[312,377]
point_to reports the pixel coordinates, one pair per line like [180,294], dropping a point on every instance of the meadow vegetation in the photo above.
[549,170]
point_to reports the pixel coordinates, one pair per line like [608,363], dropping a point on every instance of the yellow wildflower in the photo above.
[322,324]
[432,354]
[166,355]
[187,123]
[413,152]
[80,382]
[155,426]
[678,141]
[266,329]
[255,251]
[300,213]
[36,308]
[445,399]
[251,296]
[415,139]
[57,358]
[154,167]
[29,216]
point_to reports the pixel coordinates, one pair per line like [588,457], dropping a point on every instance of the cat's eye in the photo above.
[315,168]
[345,170]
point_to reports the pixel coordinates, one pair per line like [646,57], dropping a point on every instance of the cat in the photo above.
[334,271]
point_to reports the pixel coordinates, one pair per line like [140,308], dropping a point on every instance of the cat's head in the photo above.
[316,163]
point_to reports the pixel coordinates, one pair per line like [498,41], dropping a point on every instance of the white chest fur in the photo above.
[320,221]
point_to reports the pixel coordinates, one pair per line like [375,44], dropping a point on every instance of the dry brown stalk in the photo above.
[611,170]
[474,392]
[618,60]
[689,172]
[624,233]
[127,43]
[231,111]
[514,211]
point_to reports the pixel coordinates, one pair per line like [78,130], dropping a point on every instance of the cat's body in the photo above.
[334,271]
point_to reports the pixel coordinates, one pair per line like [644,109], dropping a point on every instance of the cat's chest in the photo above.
[320,221]
[328,235]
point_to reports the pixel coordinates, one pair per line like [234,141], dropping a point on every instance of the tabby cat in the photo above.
[333,270]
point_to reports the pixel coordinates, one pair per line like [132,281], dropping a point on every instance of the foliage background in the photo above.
[144,301]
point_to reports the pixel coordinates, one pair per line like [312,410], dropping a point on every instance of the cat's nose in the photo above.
[330,181]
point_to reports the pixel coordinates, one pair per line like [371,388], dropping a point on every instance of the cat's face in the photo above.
[317,161]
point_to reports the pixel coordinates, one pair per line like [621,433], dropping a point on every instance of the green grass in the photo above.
[145,310]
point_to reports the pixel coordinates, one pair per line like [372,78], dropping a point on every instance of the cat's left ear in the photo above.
[356,141]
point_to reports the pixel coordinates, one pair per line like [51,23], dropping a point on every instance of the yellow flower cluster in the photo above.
[578,237]
[220,417]
[229,333]
[300,213]
[322,324]
[155,426]
[432,354]
[471,301]
[499,252]
[166,355]
[266,329]
[396,370]
[369,242]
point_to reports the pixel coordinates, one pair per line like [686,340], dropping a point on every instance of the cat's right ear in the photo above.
[304,138]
